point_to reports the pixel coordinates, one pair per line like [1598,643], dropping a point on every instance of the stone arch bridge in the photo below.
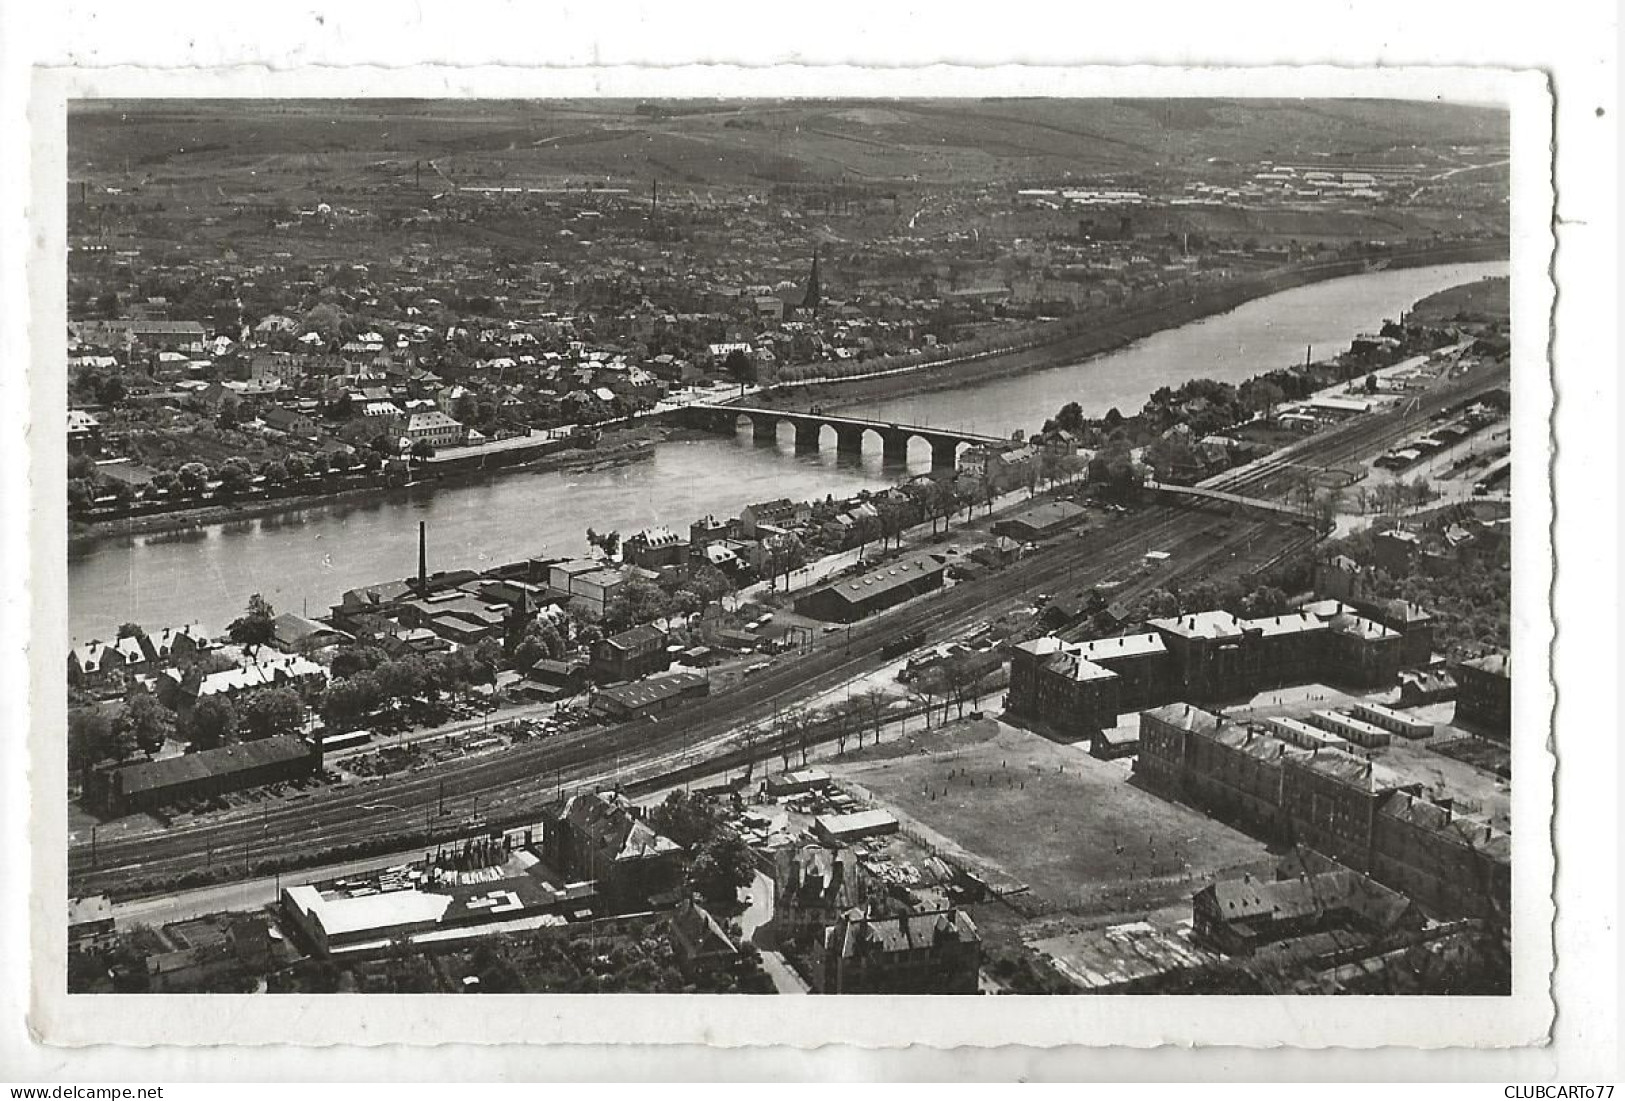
[850,432]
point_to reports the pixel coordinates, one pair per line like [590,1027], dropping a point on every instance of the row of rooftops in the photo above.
[270,672]
[1222,626]
[1091,660]
[858,936]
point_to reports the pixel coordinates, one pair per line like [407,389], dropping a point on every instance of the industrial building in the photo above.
[148,785]
[422,902]
[1040,521]
[649,697]
[851,599]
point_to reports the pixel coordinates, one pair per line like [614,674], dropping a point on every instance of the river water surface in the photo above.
[304,560]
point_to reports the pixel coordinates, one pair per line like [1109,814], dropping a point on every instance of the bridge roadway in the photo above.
[849,431]
[529,774]
[1219,496]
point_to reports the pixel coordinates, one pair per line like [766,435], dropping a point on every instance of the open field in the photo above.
[733,142]
[1072,828]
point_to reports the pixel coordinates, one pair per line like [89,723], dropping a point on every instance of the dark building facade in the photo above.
[1342,806]
[938,952]
[853,598]
[602,838]
[629,655]
[1081,687]
[1484,695]
[148,785]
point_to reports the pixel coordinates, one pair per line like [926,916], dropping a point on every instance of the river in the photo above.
[1257,336]
[305,559]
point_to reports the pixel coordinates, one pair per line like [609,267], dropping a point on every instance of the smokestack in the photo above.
[423,557]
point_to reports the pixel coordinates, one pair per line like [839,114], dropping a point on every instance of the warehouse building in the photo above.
[148,785]
[649,697]
[1040,521]
[853,598]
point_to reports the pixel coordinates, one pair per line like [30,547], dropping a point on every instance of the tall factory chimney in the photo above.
[423,558]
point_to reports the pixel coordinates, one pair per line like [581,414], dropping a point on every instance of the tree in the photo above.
[689,820]
[785,554]
[271,713]
[721,868]
[347,702]
[893,521]
[967,677]
[872,704]
[636,602]
[235,478]
[1070,418]
[256,626]
[112,391]
[708,584]
[350,660]
[211,723]
[423,449]
[865,530]
[608,542]
[193,477]
[1260,395]
[928,687]
[148,722]
[540,640]
[326,320]
[740,367]
[93,736]
[81,495]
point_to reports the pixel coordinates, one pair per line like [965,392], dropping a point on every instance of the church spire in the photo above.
[811,299]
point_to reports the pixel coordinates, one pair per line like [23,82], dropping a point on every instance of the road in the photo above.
[519,781]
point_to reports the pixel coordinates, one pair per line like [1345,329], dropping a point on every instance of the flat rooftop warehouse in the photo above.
[416,902]
[1040,521]
[853,827]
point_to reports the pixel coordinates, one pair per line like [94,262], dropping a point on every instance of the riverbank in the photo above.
[627,443]
[1111,336]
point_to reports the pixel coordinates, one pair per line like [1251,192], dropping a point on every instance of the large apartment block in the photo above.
[1353,810]
[1081,687]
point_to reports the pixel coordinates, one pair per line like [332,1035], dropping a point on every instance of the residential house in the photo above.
[655,548]
[602,837]
[936,952]
[630,655]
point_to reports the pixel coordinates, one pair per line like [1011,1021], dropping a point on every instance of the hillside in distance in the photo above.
[759,143]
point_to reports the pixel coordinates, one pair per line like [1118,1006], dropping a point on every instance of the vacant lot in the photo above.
[1072,828]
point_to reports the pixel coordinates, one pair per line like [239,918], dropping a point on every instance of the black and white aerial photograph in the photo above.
[969,546]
